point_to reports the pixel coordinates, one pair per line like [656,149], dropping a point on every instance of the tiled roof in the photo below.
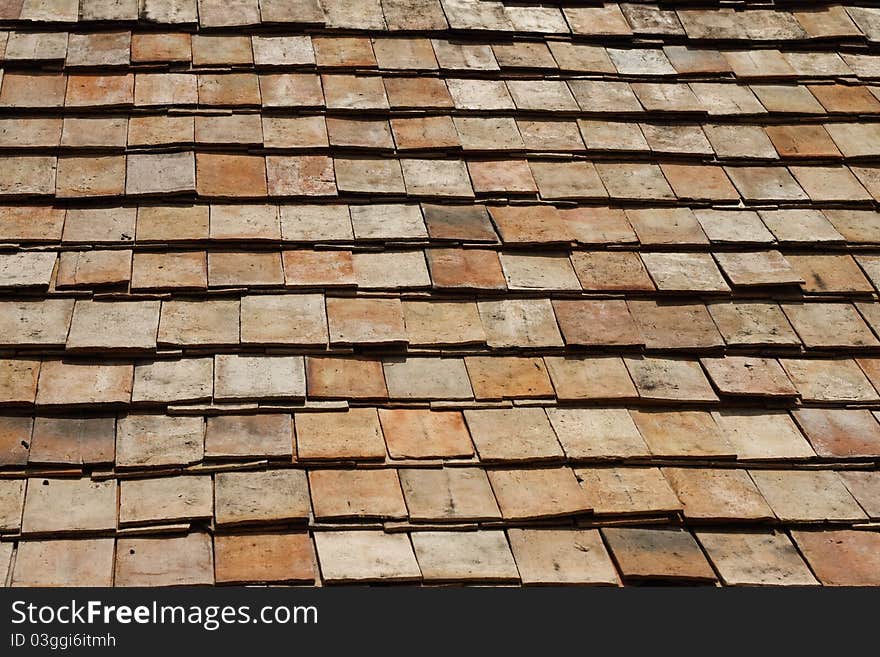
[373,291]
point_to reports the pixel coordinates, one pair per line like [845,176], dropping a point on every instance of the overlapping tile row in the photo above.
[801,21]
[339,324]
[310,176]
[379,291]
[345,92]
[578,557]
[263,380]
[367,225]
[498,436]
[146,50]
[473,137]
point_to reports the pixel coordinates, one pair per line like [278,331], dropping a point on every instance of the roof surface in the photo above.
[456,291]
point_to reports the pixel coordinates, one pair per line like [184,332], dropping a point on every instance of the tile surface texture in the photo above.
[447,292]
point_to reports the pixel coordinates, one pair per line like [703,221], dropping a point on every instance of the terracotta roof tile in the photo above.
[68,505]
[597,433]
[15,433]
[213,322]
[765,184]
[65,562]
[232,269]
[161,223]
[667,379]
[371,176]
[657,554]
[289,90]
[161,131]
[747,376]
[807,496]
[173,381]
[597,20]
[800,226]
[293,11]
[865,487]
[682,434]
[317,268]
[315,223]
[829,325]
[35,323]
[269,496]
[356,494]
[66,383]
[148,441]
[519,322]
[510,377]
[73,441]
[718,495]
[230,175]
[756,559]
[628,491]
[516,434]
[417,93]
[758,435]
[405,54]
[448,494]
[33,90]
[94,133]
[666,226]
[684,272]
[577,379]
[28,176]
[561,556]
[145,501]
[429,132]
[360,133]
[31,223]
[524,55]
[173,561]
[345,378]
[634,181]
[391,269]
[840,433]
[830,273]
[482,556]
[161,47]
[388,222]
[352,435]
[830,184]
[674,326]
[443,323]
[243,377]
[349,557]
[244,436]
[596,323]
[757,268]
[271,558]
[99,90]
[829,380]
[527,224]
[156,271]
[47,46]
[365,321]
[840,558]
[465,269]
[608,270]
[418,433]
[427,378]
[152,89]
[538,493]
